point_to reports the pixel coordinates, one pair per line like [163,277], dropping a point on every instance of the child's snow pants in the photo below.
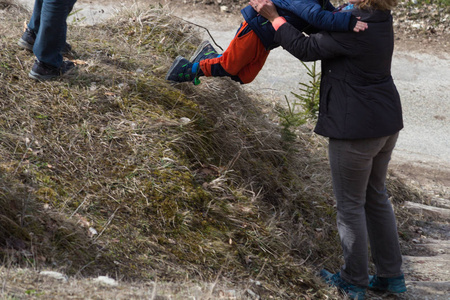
[243,59]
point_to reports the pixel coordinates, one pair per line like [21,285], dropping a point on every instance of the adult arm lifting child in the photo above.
[247,52]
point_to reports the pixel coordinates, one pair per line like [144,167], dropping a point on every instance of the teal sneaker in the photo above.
[394,285]
[204,51]
[183,70]
[352,291]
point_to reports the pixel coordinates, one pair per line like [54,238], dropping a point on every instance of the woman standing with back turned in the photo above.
[360,112]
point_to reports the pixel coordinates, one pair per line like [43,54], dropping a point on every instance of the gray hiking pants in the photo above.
[359,169]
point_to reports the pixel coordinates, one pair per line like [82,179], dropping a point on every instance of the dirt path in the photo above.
[422,156]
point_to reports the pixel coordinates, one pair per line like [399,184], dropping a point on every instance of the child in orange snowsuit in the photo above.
[248,51]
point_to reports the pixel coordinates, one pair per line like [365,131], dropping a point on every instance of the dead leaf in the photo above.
[79,62]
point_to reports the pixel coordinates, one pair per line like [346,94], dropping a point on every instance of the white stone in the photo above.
[55,275]
[184,120]
[106,280]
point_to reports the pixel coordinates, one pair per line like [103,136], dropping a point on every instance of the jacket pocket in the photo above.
[324,102]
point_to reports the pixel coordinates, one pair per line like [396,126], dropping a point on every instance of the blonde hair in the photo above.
[378,4]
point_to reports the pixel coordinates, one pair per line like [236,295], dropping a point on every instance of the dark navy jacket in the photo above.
[358,97]
[305,15]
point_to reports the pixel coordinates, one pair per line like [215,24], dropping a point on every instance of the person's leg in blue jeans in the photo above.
[52,30]
[364,212]
[46,37]
[35,20]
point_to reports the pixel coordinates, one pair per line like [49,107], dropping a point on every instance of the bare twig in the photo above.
[209,33]
[23,156]
[107,223]
[20,62]
[81,204]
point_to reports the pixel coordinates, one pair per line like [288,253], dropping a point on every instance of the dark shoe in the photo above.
[351,290]
[204,51]
[29,37]
[183,70]
[42,71]
[67,49]
[27,40]
[394,285]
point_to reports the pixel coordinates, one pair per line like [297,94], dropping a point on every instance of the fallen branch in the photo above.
[214,41]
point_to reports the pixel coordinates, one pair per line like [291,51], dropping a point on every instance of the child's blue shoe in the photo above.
[393,285]
[352,291]
[204,51]
[183,70]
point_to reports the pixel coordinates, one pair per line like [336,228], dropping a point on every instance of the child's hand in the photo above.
[265,8]
[360,26]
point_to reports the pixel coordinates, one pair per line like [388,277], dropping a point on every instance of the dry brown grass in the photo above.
[181,183]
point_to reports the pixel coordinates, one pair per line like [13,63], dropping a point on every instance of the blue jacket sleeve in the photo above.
[316,15]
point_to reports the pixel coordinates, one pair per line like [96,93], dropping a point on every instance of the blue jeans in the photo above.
[49,23]
[364,212]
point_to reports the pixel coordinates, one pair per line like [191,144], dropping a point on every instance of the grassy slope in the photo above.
[178,181]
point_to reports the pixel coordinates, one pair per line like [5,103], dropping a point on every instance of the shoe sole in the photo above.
[198,50]
[173,66]
[392,288]
[352,294]
[25,45]
[388,290]
[39,77]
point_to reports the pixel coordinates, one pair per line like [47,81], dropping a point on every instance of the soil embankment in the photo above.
[421,70]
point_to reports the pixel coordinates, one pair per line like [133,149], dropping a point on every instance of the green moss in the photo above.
[46,195]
